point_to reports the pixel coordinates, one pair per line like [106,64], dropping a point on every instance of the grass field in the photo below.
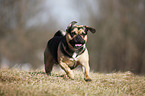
[14,82]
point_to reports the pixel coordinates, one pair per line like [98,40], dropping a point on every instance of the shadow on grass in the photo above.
[43,73]
[36,73]
[59,75]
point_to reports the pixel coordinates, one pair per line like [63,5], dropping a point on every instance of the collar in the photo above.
[71,53]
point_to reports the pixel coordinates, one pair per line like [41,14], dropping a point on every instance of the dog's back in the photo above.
[54,42]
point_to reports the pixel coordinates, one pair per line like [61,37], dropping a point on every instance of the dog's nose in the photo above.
[78,39]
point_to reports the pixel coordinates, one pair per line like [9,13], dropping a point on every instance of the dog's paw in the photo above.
[87,79]
[49,74]
[71,75]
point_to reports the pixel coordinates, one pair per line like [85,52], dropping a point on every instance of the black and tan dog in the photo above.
[68,49]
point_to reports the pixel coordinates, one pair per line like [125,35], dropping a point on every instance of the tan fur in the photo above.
[65,62]
[80,31]
[68,38]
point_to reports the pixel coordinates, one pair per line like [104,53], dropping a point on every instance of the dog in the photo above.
[68,49]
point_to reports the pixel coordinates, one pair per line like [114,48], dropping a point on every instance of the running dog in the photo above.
[68,49]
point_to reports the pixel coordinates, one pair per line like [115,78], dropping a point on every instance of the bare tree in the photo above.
[120,43]
[19,43]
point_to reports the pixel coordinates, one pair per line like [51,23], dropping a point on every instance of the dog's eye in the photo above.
[72,34]
[83,34]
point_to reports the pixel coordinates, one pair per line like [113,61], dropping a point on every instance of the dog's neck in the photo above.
[67,51]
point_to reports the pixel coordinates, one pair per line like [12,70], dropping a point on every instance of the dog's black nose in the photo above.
[79,40]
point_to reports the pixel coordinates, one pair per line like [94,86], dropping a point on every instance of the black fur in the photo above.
[67,51]
[59,33]
[77,40]
[53,44]
[59,37]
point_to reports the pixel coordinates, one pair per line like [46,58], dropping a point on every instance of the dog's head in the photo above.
[76,35]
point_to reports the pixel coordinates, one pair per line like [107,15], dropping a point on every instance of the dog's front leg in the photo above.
[84,61]
[86,70]
[68,71]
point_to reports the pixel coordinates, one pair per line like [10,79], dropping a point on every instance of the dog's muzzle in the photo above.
[77,42]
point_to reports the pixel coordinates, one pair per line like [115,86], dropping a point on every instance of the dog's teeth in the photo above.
[78,44]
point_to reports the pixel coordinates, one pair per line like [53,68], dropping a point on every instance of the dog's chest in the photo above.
[74,56]
[71,61]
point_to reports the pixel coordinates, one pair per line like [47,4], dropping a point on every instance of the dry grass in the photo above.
[15,82]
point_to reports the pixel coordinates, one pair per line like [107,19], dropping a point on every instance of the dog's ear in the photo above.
[90,29]
[73,22]
[70,25]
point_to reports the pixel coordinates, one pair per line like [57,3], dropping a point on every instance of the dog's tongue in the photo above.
[78,44]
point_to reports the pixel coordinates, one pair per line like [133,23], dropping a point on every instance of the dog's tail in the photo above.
[60,33]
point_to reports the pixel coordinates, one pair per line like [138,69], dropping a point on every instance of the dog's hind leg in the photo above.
[48,67]
[48,61]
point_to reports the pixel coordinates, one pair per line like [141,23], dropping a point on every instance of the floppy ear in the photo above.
[70,25]
[91,29]
[73,22]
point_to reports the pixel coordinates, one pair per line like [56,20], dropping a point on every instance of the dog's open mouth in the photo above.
[77,42]
[78,45]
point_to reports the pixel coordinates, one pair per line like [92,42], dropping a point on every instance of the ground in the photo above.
[14,82]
